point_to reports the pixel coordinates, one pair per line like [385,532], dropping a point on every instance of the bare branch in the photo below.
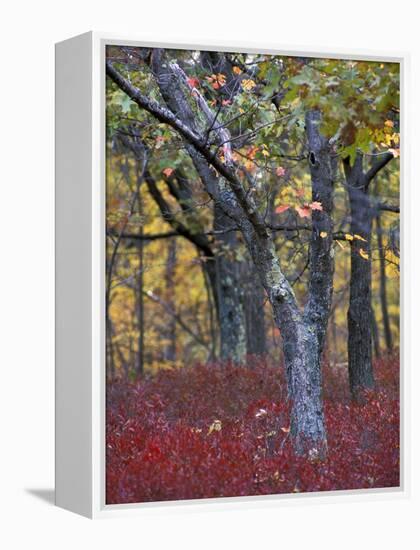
[380,163]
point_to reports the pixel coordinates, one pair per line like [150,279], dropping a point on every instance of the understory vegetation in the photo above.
[223,430]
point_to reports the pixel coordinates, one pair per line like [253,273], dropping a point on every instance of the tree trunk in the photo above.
[169,349]
[359,316]
[300,349]
[321,267]
[140,308]
[229,292]
[254,301]
[382,285]
[375,335]
[301,342]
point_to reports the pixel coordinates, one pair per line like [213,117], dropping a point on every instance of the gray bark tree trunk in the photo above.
[254,311]
[229,293]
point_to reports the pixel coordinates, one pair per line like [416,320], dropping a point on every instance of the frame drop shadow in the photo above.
[47,495]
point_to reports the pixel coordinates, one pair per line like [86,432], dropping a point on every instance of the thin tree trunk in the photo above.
[212,311]
[375,335]
[169,350]
[254,300]
[140,284]
[382,285]
[140,307]
[229,293]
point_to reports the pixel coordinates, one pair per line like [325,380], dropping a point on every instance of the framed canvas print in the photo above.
[228,274]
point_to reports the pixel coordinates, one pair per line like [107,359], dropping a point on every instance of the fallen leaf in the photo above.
[216,426]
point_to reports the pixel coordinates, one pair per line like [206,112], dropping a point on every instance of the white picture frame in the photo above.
[80,278]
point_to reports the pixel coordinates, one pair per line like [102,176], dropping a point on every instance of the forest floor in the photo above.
[222,430]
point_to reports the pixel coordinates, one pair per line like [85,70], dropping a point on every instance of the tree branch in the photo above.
[166,116]
[389,207]
[380,163]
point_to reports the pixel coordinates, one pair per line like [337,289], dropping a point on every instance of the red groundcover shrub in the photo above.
[223,430]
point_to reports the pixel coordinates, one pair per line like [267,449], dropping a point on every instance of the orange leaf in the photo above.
[168,172]
[281,209]
[303,211]
[316,205]
[193,82]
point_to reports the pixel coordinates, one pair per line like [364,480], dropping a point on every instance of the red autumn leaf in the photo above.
[168,172]
[303,211]
[280,171]
[316,205]
[193,82]
[282,208]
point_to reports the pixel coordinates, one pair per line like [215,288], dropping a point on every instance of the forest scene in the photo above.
[252,274]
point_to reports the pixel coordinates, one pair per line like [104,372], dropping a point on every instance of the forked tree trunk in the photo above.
[302,340]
